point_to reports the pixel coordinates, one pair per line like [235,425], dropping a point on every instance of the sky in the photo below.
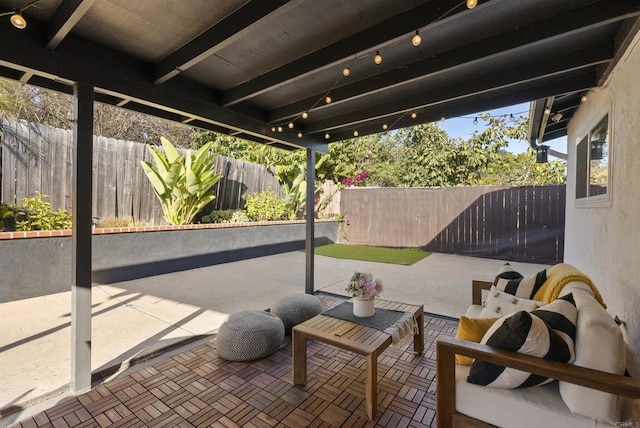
[464,127]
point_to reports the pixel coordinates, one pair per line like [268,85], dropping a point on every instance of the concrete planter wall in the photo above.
[41,266]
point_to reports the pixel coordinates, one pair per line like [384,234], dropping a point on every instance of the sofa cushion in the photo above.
[522,408]
[472,329]
[500,303]
[525,287]
[548,333]
[600,346]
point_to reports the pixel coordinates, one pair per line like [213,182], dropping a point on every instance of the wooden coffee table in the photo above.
[353,337]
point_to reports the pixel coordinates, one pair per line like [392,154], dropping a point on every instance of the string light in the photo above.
[385,126]
[442,119]
[327,99]
[18,20]
[472,3]
[547,111]
[290,125]
[416,40]
[299,134]
[378,58]
[414,115]
[305,115]
[279,128]
[346,72]
[475,121]
[355,133]
[273,129]
[327,136]
[584,99]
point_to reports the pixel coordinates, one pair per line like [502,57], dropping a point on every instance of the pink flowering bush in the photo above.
[364,286]
[354,181]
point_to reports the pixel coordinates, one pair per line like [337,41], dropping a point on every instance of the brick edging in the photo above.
[163,228]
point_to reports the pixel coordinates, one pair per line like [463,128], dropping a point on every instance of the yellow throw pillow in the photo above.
[472,329]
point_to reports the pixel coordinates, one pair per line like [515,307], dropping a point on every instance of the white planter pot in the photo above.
[363,308]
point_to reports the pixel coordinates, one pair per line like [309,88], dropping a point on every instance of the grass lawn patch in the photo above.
[398,256]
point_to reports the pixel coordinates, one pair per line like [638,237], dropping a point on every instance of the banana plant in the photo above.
[294,184]
[182,183]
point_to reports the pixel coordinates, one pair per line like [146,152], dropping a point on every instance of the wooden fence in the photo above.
[37,157]
[518,223]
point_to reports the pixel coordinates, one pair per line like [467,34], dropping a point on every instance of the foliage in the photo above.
[39,216]
[182,183]
[39,105]
[226,216]
[120,222]
[294,183]
[522,170]
[266,206]
[9,214]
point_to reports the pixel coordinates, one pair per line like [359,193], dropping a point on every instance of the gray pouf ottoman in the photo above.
[296,308]
[249,335]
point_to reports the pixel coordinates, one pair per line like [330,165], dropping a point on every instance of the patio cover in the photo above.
[265,70]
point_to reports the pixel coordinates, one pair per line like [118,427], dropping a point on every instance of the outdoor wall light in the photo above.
[597,151]
[541,154]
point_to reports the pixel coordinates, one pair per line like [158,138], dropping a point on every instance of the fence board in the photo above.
[38,157]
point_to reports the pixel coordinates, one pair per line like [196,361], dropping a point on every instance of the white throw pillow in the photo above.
[499,303]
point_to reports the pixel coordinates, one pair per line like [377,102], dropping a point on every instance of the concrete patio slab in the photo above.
[137,317]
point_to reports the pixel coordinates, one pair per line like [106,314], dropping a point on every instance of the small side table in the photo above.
[353,337]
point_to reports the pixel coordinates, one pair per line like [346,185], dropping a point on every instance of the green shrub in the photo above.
[267,206]
[9,214]
[225,216]
[38,215]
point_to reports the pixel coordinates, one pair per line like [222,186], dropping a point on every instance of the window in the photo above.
[592,164]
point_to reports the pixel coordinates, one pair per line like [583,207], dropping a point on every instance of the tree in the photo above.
[39,105]
[522,170]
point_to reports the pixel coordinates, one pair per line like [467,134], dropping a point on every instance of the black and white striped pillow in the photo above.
[548,333]
[522,287]
[505,274]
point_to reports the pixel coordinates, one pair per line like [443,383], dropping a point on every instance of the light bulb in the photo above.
[290,125]
[346,71]
[413,115]
[416,40]
[355,133]
[327,99]
[475,121]
[273,129]
[18,20]
[299,134]
[472,3]
[584,99]
[547,110]
[327,136]
[385,126]
[442,119]
[279,128]
[305,115]
[378,58]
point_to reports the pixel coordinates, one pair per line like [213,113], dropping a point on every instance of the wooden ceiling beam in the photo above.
[384,32]
[64,19]
[231,28]
[518,74]
[549,31]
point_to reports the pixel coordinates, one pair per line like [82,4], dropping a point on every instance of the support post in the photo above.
[310,233]
[81,243]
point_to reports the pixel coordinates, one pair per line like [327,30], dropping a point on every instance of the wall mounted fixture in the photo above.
[557,117]
[541,154]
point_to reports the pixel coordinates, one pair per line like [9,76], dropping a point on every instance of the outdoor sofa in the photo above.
[594,391]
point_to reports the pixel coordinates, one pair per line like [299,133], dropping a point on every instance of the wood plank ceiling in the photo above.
[250,68]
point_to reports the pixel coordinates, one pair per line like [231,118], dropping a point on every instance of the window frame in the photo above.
[583,163]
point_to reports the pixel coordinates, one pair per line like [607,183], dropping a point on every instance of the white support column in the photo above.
[81,247]
[310,235]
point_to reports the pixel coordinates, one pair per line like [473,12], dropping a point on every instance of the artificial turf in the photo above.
[398,256]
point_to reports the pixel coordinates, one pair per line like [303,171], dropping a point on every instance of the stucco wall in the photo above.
[604,242]
[40,266]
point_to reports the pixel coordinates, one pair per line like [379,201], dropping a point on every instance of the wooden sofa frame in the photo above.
[447,348]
